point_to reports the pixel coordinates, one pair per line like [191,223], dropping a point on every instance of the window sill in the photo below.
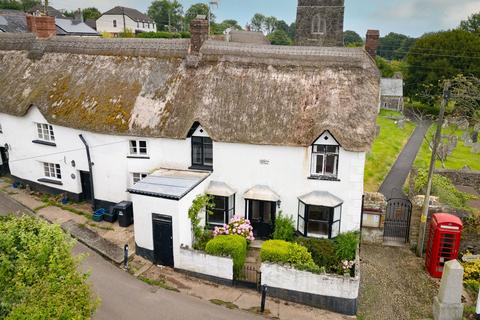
[138,157]
[324,178]
[45,143]
[51,181]
[202,168]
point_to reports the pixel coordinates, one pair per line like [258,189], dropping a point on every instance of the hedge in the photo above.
[164,35]
[323,252]
[294,254]
[233,246]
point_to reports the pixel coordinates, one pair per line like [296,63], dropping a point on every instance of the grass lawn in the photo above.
[461,156]
[385,149]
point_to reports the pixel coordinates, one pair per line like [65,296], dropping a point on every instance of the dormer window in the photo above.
[202,148]
[325,155]
[319,25]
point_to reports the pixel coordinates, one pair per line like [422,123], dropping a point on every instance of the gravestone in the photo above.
[468,142]
[463,124]
[401,123]
[447,305]
[476,148]
[465,135]
[475,136]
[476,127]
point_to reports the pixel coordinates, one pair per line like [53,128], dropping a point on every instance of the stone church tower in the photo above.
[320,23]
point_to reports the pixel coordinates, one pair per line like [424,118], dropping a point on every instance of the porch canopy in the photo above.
[262,193]
[321,199]
[221,189]
[170,184]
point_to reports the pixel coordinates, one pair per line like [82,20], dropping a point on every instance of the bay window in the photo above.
[319,221]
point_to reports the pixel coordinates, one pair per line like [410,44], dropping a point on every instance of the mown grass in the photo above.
[460,157]
[385,150]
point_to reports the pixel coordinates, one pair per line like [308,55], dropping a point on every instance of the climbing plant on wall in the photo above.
[201,202]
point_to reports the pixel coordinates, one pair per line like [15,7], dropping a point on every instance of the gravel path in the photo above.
[394,285]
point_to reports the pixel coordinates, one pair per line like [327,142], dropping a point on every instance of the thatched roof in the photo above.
[238,93]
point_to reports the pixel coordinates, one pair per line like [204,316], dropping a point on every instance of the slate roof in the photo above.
[134,14]
[12,21]
[255,94]
[391,87]
[73,28]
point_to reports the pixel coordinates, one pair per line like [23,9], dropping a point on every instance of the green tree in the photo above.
[258,22]
[279,37]
[394,46]
[292,30]
[38,275]
[195,10]
[166,14]
[18,4]
[390,68]
[352,39]
[438,56]
[219,28]
[270,24]
[91,13]
[472,24]
[282,25]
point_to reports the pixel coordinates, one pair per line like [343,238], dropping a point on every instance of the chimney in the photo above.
[371,43]
[42,26]
[78,17]
[199,32]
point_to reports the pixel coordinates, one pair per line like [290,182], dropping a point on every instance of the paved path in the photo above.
[125,297]
[392,186]
[8,206]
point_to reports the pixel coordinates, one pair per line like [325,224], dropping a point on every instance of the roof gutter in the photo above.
[90,169]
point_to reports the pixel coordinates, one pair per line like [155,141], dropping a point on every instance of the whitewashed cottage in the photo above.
[261,128]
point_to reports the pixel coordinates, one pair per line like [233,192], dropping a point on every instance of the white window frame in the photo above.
[52,170]
[324,155]
[135,148]
[138,176]
[45,132]
[319,25]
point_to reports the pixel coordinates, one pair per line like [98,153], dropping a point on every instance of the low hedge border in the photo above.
[233,246]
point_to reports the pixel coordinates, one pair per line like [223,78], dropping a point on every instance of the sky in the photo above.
[411,17]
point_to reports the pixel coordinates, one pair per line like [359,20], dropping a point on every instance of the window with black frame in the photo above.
[222,212]
[319,221]
[202,153]
[325,161]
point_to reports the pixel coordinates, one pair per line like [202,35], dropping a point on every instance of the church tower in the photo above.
[320,23]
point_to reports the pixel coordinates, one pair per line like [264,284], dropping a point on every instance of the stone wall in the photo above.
[374,205]
[462,177]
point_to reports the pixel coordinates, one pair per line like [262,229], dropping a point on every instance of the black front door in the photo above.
[4,168]
[162,240]
[86,187]
[262,216]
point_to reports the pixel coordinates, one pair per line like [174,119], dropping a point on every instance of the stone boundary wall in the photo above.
[134,47]
[198,263]
[374,204]
[332,292]
[462,177]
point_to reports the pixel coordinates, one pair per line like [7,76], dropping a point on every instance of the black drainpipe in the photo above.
[90,168]
[361,223]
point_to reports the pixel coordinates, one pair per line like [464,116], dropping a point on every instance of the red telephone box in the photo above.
[443,242]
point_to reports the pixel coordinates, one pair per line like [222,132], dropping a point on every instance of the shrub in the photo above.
[160,34]
[471,276]
[346,246]
[38,275]
[294,254]
[233,246]
[441,187]
[239,226]
[323,252]
[284,228]
[202,240]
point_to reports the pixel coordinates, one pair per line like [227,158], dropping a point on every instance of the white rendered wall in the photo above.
[277,276]
[200,262]
[284,169]
[105,24]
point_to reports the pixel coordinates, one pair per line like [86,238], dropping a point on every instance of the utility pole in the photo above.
[124,23]
[436,142]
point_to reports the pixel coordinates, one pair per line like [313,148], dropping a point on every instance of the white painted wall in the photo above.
[239,165]
[105,24]
[277,276]
[200,262]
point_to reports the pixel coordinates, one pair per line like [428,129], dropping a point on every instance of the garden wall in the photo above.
[467,178]
[373,217]
[332,292]
[202,265]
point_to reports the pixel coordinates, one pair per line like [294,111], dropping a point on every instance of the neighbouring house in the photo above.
[13,21]
[262,129]
[66,26]
[392,93]
[119,19]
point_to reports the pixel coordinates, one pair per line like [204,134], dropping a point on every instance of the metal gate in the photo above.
[250,276]
[397,220]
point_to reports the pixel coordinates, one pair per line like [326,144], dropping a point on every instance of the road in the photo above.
[125,297]
[392,186]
